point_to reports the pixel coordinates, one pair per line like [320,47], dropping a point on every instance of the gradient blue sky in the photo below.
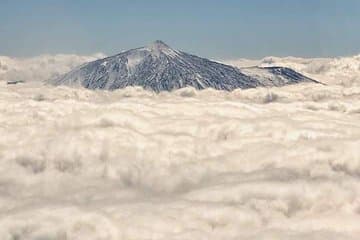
[220,29]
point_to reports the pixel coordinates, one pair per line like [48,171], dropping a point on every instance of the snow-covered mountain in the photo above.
[160,68]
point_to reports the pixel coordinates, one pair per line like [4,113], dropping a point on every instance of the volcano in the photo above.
[158,67]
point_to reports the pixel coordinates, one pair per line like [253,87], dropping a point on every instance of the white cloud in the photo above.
[42,67]
[279,163]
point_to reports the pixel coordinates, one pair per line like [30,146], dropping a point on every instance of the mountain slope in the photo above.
[158,67]
[276,76]
[331,71]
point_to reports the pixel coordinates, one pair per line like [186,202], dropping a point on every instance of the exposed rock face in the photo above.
[158,67]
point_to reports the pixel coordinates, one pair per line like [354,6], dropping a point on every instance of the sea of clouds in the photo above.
[277,163]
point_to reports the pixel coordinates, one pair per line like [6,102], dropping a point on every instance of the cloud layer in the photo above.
[40,68]
[279,163]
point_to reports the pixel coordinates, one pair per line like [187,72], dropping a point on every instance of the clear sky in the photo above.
[220,29]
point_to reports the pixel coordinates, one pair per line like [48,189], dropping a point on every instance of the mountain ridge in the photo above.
[159,67]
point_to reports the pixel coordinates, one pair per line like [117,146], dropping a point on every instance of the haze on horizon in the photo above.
[227,30]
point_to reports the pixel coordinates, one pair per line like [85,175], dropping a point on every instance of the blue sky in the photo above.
[220,29]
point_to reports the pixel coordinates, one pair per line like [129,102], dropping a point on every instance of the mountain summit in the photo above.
[158,45]
[158,67]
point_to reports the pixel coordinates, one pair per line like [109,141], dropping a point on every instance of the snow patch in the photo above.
[133,60]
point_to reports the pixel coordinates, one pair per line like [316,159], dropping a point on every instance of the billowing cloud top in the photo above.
[42,67]
[277,163]
[280,163]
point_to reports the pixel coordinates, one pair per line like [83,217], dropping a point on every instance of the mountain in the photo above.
[275,76]
[158,67]
[331,71]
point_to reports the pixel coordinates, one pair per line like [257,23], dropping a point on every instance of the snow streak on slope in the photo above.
[280,163]
[343,70]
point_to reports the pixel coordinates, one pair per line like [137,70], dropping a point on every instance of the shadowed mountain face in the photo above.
[158,67]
